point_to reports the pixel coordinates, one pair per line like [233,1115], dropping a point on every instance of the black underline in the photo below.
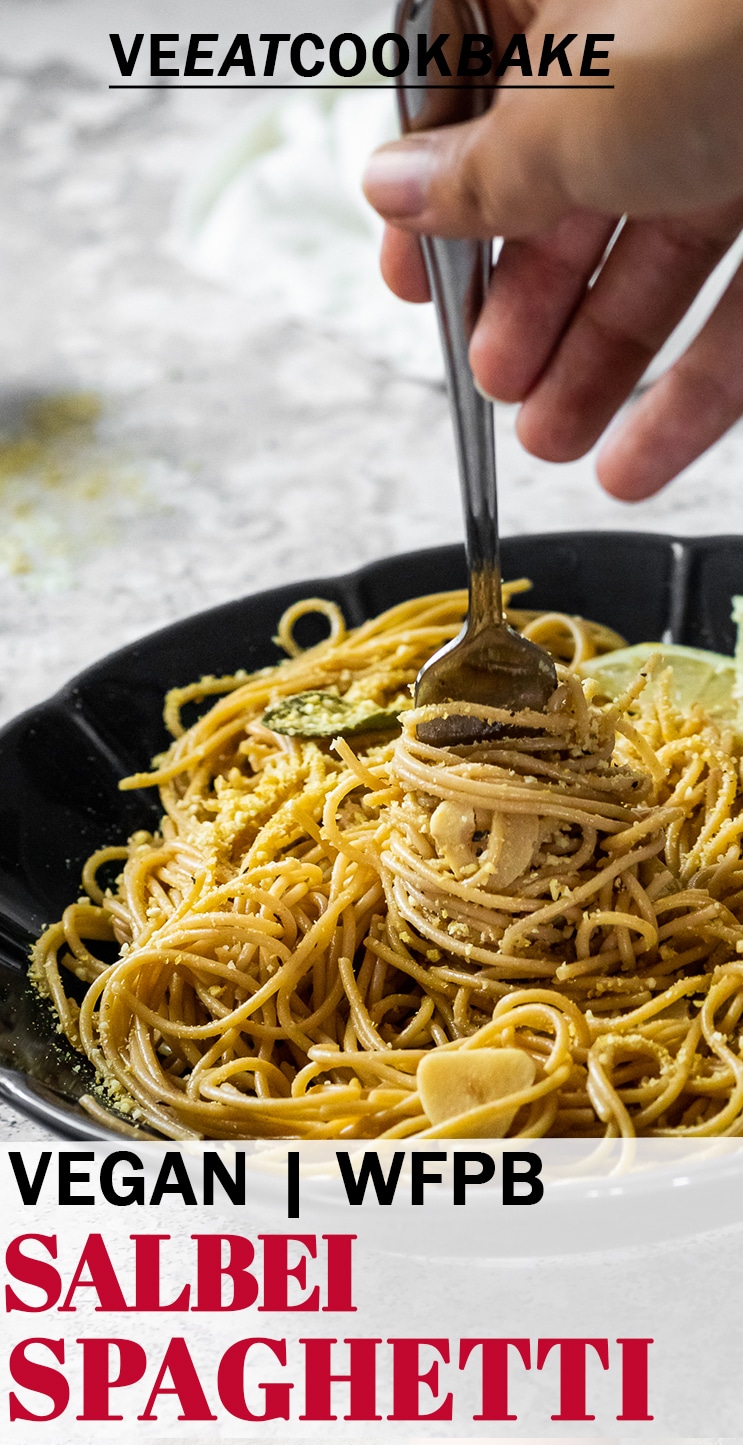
[185,85]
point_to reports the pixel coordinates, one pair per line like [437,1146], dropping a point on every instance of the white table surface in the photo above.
[225,459]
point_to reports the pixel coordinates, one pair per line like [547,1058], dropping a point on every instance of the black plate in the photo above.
[60,763]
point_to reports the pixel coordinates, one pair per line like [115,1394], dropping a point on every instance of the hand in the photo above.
[553,171]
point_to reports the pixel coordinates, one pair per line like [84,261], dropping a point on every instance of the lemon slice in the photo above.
[709,679]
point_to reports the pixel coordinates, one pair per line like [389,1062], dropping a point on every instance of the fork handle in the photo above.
[458,273]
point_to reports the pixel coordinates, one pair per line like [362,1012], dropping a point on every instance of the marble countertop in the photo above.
[199,455]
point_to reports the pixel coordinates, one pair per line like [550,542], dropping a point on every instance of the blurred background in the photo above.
[204,387]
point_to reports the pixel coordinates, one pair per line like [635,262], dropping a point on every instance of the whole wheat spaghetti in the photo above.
[536,935]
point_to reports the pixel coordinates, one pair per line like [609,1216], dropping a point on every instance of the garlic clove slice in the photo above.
[452,827]
[518,842]
[469,1086]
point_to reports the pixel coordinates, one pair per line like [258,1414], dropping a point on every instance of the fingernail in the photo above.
[396,181]
[483,393]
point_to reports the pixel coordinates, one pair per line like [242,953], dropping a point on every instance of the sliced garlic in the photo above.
[459,1085]
[518,838]
[452,828]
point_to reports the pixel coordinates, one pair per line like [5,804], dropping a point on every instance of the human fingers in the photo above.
[401,259]
[534,290]
[403,267]
[462,181]
[668,137]
[685,412]
[647,284]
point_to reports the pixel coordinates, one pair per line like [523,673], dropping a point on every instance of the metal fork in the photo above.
[488,662]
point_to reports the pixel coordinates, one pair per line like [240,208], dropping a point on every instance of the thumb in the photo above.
[496,176]
[664,138]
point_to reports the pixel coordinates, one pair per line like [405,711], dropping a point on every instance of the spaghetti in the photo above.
[541,934]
